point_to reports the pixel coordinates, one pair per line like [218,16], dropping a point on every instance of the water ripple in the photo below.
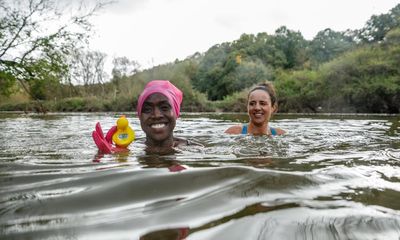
[330,177]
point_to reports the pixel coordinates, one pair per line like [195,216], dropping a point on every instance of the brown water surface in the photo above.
[329,177]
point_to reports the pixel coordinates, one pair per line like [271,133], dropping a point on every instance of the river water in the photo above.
[329,177]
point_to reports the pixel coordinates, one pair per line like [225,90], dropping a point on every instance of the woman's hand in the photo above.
[104,144]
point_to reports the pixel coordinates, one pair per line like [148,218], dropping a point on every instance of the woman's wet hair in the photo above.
[269,88]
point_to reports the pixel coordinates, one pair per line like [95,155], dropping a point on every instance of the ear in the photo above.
[275,108]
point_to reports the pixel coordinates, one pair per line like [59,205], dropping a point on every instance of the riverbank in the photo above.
[93,104]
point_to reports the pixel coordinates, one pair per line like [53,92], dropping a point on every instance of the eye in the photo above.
[165,107]
[147,109]
[252,103]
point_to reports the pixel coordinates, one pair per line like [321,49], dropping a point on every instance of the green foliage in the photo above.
[71,104]
[210,70]
[378,26]
[29,52]
[7,82]
[393,36]
[79,104]
[292,44]
[351,71]
[328,44]
[232,67]
[299,91]
[249,73]
[14,106]
[236,102]
[365,80]
[44,78]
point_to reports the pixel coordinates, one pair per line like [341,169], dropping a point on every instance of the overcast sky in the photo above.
[153,32]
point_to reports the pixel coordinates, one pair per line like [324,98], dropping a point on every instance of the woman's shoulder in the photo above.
[279,131]
[237,129]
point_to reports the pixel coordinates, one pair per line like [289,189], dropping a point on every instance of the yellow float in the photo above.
[124,134]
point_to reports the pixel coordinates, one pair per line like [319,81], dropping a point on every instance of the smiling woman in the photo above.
[261,104]
[158,108]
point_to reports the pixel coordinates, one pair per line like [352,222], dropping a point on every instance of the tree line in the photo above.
[349,71]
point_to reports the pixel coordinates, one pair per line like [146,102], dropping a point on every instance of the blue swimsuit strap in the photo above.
[273,131]
[244,130]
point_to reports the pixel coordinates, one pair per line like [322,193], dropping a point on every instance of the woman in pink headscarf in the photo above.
[158,108]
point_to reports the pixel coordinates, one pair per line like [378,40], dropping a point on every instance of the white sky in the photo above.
[154,32]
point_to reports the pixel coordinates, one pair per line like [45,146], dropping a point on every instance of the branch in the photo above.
[33,9]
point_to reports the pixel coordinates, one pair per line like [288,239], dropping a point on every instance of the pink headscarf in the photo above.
[167,89]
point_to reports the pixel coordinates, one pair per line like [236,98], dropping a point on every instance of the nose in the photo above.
[157,112]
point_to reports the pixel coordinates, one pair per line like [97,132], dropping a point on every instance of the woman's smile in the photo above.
[258,114]
[158,125]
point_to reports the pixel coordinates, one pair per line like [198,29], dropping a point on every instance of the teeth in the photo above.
[158,125]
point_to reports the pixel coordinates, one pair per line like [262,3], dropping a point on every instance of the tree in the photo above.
[247,74]
[379,25]
[246,41]
[87,67]
[328,44]
[211,70]
[36,36]
[393,37]
[292,45]
[124,67]
[269,52]
[230,67]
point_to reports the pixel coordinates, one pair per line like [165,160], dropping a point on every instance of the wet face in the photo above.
[259,107]
[157,120]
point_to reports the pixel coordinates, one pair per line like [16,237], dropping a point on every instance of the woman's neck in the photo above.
[161,147]
[169,142]
[262,129]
